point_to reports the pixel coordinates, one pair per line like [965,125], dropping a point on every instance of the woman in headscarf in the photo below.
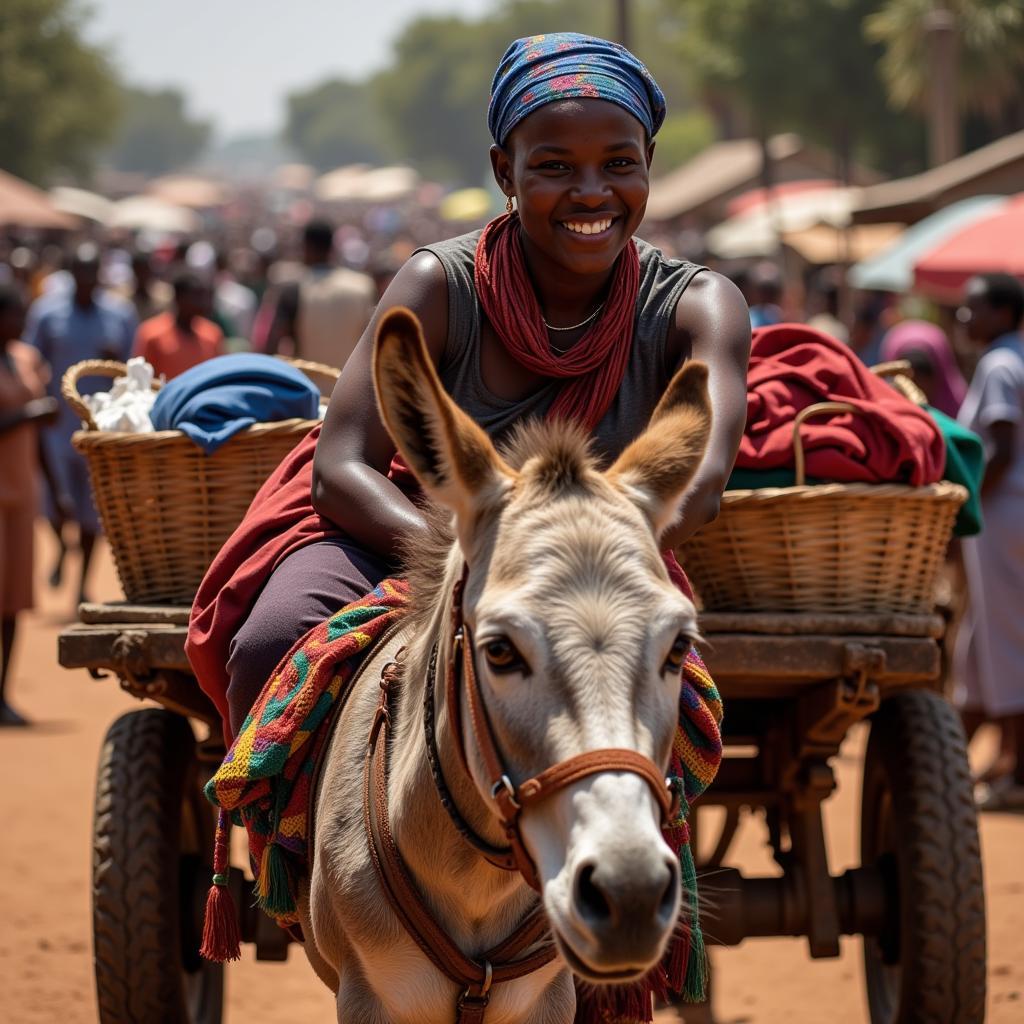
[553,308]
[927,349]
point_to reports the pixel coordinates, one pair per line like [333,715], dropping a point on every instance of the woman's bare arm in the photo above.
[350,485]
[713,325]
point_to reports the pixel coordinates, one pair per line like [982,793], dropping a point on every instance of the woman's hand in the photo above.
[713,325]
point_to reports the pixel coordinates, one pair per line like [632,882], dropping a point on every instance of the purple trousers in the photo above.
[310,585]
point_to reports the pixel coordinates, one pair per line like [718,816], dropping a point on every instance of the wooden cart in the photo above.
[793,686]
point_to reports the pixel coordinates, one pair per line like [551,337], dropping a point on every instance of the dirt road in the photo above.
[46,807]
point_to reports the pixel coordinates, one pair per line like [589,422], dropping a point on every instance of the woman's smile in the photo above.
[591,228]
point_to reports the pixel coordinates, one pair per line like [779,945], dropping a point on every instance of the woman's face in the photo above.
[580,172]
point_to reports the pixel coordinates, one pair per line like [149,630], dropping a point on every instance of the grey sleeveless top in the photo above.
[647,374]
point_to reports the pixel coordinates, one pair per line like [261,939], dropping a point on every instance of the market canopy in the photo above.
[992,244]
[758,231]
[995,169]
[892,269]
[150,213]
[80,202]
[25,206]
[189,190]
[359,183]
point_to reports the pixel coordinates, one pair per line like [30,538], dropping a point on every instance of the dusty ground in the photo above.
[46,806]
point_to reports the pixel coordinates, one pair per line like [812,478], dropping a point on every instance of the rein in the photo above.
[476,976]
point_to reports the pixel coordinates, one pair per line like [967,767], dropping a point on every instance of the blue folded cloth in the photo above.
[215,400]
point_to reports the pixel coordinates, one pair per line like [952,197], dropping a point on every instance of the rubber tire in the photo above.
[152,838]
[918,821]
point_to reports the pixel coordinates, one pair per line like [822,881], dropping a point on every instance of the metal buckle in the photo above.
[505,783]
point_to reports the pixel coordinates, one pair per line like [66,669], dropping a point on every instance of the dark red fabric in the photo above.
[793,366]
[280,520]
[595,365]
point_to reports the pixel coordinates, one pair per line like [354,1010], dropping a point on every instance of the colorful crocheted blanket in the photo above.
[265,782]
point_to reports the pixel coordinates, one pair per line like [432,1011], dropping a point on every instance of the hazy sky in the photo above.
[237,59]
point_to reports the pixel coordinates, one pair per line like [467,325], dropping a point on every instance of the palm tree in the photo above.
[973,47]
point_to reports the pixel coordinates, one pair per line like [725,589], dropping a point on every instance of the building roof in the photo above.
[997,168]
[704,185]
[26,206]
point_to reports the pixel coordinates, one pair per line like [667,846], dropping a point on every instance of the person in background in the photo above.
[24,407]
[233,301]
[765,295]
[989,657]
[66,327]
[323,315]
[872,317]
[179,339]
[149,296]
[823,306]
[925,346]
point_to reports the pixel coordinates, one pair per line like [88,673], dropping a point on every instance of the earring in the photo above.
[508,205]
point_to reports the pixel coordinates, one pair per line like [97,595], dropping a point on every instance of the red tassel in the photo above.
[221,940]
[678,958]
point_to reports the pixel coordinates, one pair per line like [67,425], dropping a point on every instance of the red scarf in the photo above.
[596,363]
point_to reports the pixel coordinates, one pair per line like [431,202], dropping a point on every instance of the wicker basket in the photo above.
[166,507]
[843,548]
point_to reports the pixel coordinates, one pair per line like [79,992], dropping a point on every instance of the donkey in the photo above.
[545,608]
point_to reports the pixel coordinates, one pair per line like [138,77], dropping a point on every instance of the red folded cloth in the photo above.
[889,440]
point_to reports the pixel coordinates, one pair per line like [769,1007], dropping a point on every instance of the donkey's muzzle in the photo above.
[625,907]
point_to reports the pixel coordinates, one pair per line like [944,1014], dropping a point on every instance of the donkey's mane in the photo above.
[553,457]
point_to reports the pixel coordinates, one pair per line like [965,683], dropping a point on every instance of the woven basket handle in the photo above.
[322,375]
[818,409]
[900,375]
[90,368]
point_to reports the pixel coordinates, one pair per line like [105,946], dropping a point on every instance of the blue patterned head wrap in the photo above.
[564,65]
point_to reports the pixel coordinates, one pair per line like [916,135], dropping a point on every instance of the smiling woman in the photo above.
[554,310]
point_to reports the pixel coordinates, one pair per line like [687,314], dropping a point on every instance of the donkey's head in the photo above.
[578,637]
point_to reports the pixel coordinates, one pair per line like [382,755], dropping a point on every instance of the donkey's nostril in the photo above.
[591,902]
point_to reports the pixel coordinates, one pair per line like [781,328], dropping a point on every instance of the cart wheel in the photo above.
[152,840]
[918,823]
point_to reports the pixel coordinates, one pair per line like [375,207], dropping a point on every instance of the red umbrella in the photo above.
[992,244]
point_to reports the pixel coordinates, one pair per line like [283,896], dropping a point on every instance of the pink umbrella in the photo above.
[992,244]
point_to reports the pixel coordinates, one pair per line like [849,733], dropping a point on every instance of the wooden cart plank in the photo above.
[151,646]
[745,665]
[120,612]
[797,624]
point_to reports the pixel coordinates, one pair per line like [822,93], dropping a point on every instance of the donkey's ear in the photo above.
[657,467]
[450,455]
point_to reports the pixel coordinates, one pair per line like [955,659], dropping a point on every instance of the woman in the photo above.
[927,349]
[554,309]
[990,644]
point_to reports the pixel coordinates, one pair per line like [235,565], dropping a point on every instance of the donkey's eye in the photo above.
[677,656]
[502,656]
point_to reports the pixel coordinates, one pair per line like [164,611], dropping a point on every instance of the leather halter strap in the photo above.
[474,976]
[512,800]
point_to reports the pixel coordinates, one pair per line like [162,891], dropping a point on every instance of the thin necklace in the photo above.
[575,327]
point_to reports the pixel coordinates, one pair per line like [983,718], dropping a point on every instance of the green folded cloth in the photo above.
[965,464]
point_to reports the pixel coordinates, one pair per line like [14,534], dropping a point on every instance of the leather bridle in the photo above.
[509,800]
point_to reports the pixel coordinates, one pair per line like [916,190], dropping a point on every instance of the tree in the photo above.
[989,66]
[155,134]
[336,123]
[433,96]
[796,65]
[58,97]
